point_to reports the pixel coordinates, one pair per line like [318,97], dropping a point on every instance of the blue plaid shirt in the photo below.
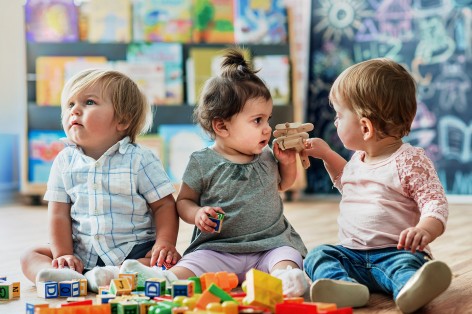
[109,198]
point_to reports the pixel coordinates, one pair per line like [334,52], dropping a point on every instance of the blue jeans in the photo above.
[381,270]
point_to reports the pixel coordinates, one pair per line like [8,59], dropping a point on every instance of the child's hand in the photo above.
[164,251]
[316,147]
[413,239]
[285,157]
[203,222]
[71,261]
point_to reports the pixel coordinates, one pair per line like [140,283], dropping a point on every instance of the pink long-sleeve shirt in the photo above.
[382,199]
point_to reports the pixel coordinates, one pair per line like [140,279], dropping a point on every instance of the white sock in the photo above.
[101,276]
[58,274]
[145,272]
[293,281]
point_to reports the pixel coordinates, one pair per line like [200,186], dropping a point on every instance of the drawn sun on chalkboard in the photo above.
[339,18]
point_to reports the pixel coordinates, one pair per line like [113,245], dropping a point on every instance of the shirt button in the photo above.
[96,211]
[94,186]
[97,164]
[97,237]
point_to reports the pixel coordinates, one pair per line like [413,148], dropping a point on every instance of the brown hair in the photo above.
[129,103]
[382,91]
[225,95]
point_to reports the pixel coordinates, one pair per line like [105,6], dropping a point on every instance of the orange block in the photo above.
[206,298]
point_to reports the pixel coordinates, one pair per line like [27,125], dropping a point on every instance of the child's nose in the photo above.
[75,110]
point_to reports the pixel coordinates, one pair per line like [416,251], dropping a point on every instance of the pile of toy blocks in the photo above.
[9,290]
[211,293]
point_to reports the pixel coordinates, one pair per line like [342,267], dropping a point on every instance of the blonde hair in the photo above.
[129,103]
[225,95]
[382,91]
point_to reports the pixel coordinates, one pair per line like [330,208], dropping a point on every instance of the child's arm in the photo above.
[333,162]
[287,166]
[60,228]
[421,182]
[167,228]
[192,213]
[416,238]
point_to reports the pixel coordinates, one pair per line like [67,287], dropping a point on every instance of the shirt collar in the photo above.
[121,146]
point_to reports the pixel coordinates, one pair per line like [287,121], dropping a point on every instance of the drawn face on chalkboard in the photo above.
[348,126]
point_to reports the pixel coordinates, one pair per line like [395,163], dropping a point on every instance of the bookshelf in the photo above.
[48,117]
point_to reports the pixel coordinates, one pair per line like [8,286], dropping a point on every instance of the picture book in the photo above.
[73,67]
[51,21]
[50,80]
[149,75]
[162,20]
[170,54]
[275,72]
[180,141]
[43,147]
[203,63]
[109,21]
[260,21]
[213,21]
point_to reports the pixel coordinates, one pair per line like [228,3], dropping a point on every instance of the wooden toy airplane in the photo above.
[293,135]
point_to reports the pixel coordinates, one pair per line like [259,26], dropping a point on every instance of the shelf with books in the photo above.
[48,117]
[43,119]
[44,116]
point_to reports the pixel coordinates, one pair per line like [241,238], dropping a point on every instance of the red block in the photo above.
[290,308]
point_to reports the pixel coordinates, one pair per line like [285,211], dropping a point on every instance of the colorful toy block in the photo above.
[224,280]
[47,289]
[218,220]
[90,309]
[220,293]
[154,287]
[322,306]
[206,298]
[262,289]
[82,287]
[6,290]
[128,307]
[132,277]
[32,306]
[197,284]
[164,307]
[70,288]
[77,303]
[183,287]
[120,286]
[230,307]
[289,308]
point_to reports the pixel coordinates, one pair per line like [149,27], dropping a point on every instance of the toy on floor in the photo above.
[293,135]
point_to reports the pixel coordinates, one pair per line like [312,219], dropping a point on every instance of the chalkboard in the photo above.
[433,40]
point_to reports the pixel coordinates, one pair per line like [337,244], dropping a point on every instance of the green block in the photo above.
[197,284]
[220,293]
[128,308]
[5,292]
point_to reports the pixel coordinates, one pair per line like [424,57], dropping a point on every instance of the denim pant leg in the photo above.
[392,268]
[334,262]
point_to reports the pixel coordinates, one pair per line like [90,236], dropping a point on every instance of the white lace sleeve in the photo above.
[421,182]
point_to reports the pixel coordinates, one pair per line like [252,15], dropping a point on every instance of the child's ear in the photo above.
[220,128]
[122,126]
[367,129]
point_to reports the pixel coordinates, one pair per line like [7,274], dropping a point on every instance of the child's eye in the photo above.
[258,120]
[71,104]
[90,102]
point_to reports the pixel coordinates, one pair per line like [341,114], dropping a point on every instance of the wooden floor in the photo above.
[315,220]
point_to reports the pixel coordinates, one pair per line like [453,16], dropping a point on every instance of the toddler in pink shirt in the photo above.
[393,204]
